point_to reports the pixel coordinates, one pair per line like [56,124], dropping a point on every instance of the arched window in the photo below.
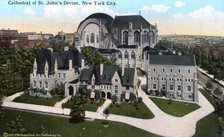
[125,37]
[136,36]
[133,55]
[145,37]
[97,39]
[126,54]
[87,38]
[34,84]
[92,38]
[120,55]
[153,37]
[46,84]
[40,84]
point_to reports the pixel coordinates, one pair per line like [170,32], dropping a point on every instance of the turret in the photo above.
[46,68]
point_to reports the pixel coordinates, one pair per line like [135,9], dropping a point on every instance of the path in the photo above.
[162,124]
[105,105]
[59,104]
[12,97]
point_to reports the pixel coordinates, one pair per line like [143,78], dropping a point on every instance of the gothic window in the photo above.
[171,87]
[92,38]
[34,84]
[179,87]
[40,84]
[153,37]
[125,37]
[189,88]
[120,55]
[97,39]
[116,89]
[87,38]
[46,84]
[136,36]
[164,87]
[145,37]
[154,86]
[133,55]
[126,54]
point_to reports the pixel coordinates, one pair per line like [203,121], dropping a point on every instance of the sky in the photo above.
[190,17]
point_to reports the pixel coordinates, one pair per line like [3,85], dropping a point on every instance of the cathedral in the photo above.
[129,35]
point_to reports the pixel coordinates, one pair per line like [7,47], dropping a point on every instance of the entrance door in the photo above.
[108,95]
[71,90]
[103,95]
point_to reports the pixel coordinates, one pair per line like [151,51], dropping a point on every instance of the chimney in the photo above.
[130,25]
[70,64]
[55,65]
[101,69]
[50,49]
[82,63]
[122,71]
[35,66]
[66,48]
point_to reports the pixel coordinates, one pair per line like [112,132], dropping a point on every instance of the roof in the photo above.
[183,60]
[128,46]
[61,57]
[108,73]
[106,19]
[137,21]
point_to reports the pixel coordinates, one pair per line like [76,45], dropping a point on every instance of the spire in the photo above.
[55,65]
[35,65]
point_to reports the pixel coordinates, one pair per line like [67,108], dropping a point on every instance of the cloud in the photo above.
[179,4]
[178,16]
[155,7]
[29,11]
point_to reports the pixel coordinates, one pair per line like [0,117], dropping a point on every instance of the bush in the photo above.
[139,99]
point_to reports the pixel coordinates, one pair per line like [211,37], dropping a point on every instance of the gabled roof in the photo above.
[61,57]
[137,21]
[108,73]
[181,60]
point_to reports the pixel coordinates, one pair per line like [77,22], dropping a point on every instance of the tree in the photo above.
[209,85]
[218,91]
[2,113]
[114,99]
[97,95]
[77,111]
[15,126]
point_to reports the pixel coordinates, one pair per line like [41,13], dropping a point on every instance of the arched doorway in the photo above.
[108,95]
[71,90]
[103,95]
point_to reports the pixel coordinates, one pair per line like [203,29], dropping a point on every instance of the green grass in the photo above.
[87,106]
[210,98]
[175,108]
[37,100]
[208,127]
[33,122]
[128,109]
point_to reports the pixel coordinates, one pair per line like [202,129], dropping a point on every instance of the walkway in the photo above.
[105,105]
[162,124]
[12,97]
[59,104]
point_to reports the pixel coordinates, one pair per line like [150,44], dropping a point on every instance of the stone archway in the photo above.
[71,90]
[103,95]
[108,95]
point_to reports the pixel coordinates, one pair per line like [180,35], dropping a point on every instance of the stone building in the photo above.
[128,34]
[52,68]
[172,76]
[110,80]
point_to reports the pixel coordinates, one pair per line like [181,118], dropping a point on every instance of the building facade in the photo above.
[55,68]
[172,76]
[122,33]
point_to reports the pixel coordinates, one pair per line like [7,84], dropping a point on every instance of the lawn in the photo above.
[87,106]
[208,127]
[175,108]
[210,98]
[33,122]
[128,109]
[37,100]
